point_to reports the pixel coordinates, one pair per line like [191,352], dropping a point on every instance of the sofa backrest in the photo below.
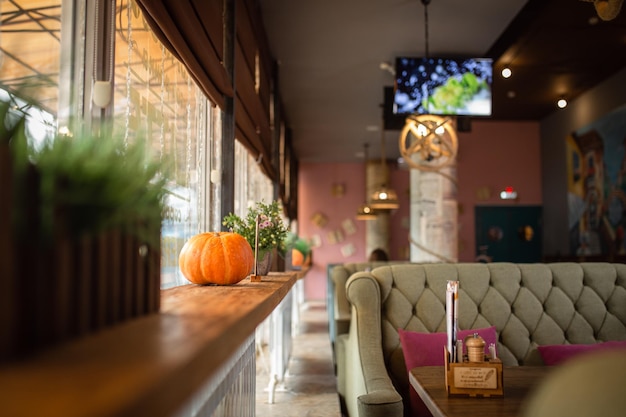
[338,307]
[529,304]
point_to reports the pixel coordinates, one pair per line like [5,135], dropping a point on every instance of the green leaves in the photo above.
[12,132]
[100,183]
[82,185]
[272,230]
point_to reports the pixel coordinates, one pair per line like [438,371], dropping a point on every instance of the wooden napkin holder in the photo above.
[474,379]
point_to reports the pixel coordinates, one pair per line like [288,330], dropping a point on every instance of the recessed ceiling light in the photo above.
[506,72]
[510,94]
[562,103]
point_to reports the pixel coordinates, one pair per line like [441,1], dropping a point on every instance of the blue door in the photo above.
[508,234]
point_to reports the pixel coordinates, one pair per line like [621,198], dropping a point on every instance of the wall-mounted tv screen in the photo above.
[445,86]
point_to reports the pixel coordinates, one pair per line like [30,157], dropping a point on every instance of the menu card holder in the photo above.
[255,277]
[473,379]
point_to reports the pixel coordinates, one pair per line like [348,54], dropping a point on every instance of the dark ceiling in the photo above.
[555,48]
[332,83]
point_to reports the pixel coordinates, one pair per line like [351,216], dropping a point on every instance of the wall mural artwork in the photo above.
[596,167]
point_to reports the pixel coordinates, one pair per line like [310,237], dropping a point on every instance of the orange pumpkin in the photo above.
[297,258]
[222,258]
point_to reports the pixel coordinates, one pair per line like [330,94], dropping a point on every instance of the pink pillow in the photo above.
[557,354]
[426,349]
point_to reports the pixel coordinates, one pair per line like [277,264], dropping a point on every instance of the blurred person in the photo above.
[378,254]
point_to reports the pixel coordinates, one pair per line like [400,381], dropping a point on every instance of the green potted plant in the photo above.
[82,219]
[272,231]
[298,250]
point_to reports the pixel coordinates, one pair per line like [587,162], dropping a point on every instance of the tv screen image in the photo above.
[444,86]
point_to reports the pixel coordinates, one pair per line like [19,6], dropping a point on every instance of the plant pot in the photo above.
[264,262]
[63,287]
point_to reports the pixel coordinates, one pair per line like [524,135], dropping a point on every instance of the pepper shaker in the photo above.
[475,348]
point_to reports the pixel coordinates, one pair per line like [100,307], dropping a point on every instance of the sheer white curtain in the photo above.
[251,184]
[155,97]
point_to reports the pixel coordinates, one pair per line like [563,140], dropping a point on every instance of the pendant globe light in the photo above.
[365,212]
[428,142]
[384,198]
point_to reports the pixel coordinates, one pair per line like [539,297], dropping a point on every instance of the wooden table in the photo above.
[429,383]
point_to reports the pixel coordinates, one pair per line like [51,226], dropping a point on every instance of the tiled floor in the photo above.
[310,386]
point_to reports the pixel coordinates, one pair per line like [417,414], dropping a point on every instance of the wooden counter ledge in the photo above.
[149,366]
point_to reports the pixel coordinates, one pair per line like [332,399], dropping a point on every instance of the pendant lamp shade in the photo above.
[384,198]
[366,212]
[428,142]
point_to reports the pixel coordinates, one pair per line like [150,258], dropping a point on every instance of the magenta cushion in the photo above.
[557,354]
[426,349]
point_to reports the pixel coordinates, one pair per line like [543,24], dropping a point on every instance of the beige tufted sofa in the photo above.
[530,305]
[338,306]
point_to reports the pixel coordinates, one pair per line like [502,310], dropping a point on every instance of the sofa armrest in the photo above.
[341,307]
[382,403]
[368,389]
[341,346]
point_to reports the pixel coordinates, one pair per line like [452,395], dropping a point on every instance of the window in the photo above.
[34,75]
[156,97]
[251,185]
[31,45]
[153,97]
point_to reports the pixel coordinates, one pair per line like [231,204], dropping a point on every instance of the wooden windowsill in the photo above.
[149,366]
[301,273]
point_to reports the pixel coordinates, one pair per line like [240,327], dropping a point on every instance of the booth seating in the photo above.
[530,305]
[338,307]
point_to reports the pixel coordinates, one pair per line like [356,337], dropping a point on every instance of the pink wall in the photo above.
[315,196]
[493,155]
